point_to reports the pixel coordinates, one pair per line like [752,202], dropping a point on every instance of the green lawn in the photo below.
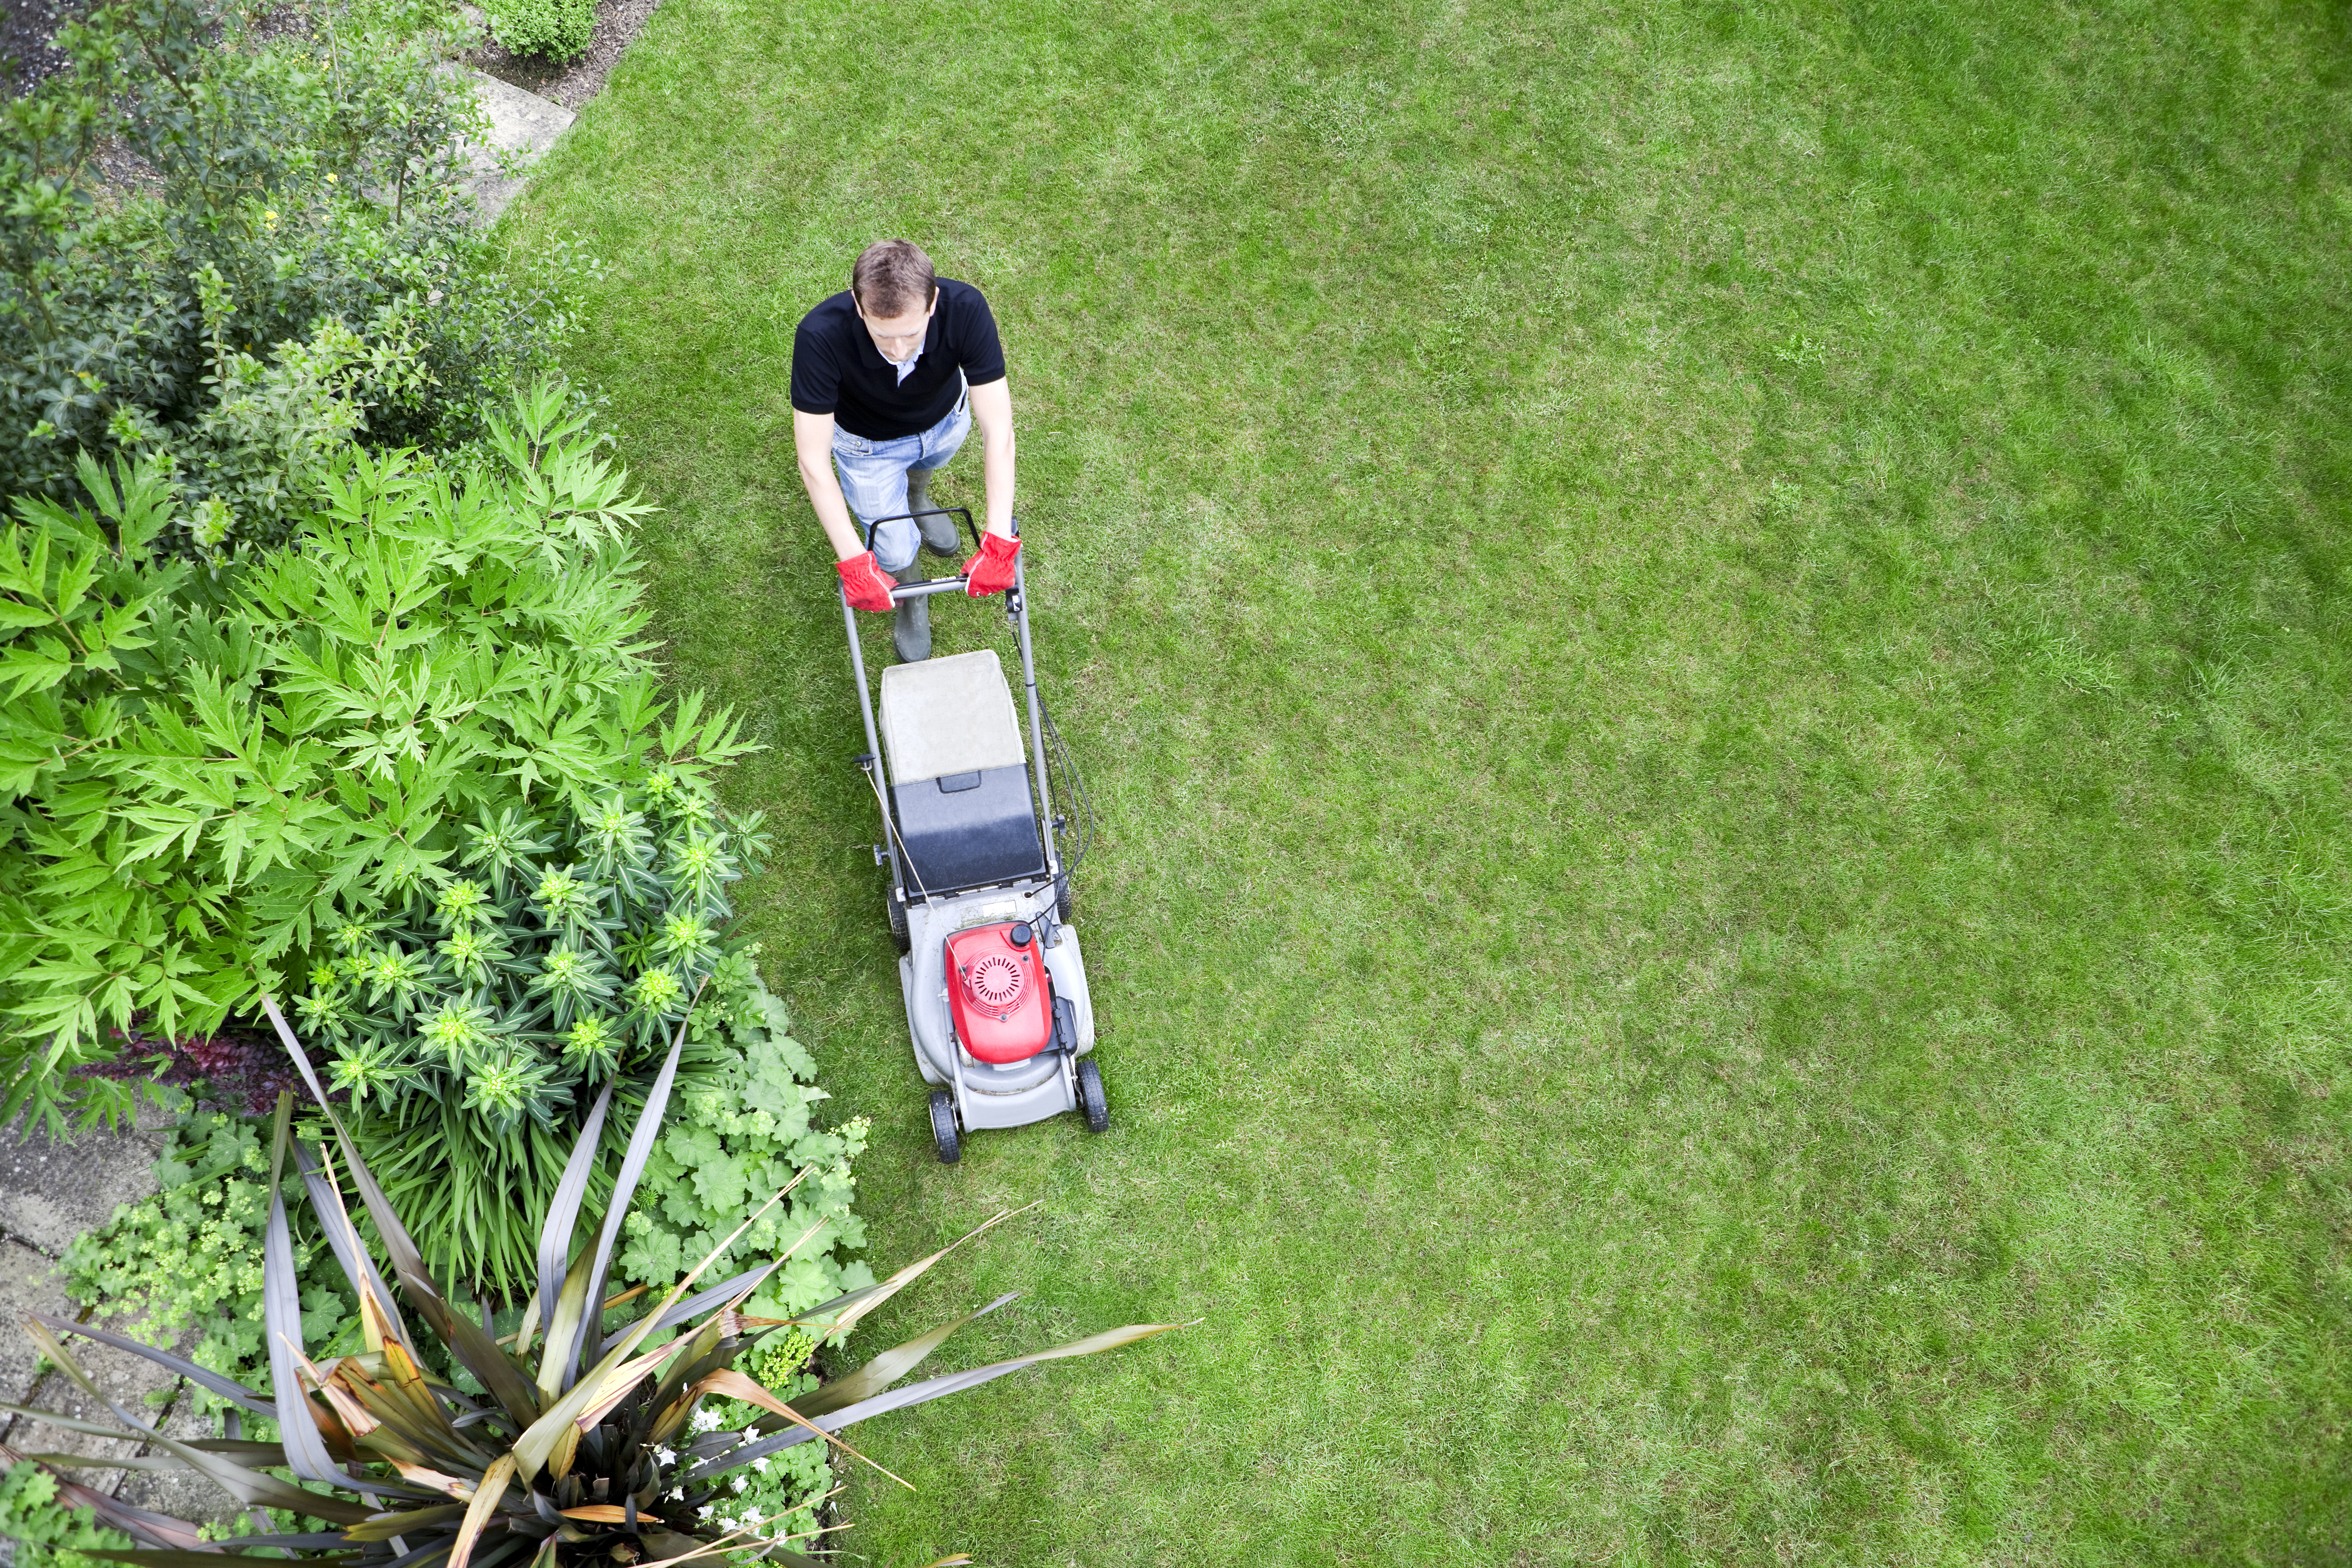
[1712,640]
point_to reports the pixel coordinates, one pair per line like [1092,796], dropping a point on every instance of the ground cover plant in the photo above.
[191,1257]
[1711,643]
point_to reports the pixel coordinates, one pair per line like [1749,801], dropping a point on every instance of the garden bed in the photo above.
[618,22]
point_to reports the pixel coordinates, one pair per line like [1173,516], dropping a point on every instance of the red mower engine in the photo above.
[999,994]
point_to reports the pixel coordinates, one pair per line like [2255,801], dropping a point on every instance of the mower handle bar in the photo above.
[924,590]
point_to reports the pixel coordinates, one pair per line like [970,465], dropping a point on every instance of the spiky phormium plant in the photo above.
[587,1454]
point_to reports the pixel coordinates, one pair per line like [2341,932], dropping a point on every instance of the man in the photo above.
[886,381]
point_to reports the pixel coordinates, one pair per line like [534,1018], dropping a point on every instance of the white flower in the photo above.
[705,1421]
[760,1464]
[678,1494]
[753,1516]
[750,1432]
[740,1484]
[664,1457]
[702,1512]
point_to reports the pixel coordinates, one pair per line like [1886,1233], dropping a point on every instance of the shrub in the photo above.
[559,30]
[474,1035]
[294,272]
[208,772]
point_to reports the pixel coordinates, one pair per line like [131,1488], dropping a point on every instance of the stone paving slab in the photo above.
[29,1282]
[521,123]
[51,1192]
[181,1494]
[133,1382]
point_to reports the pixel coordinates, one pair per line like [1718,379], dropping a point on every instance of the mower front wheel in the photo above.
[943,1127]
[1090,1096]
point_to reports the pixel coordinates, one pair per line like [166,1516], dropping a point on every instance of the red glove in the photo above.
[991,571]
[864,581]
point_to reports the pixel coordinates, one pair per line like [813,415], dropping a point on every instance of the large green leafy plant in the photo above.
[295,270]
[595,1449]
[471,1034]
[206,774]
[556,957]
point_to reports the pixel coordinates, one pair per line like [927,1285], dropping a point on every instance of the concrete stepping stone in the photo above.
[521,123]
[50,1192]
[29,1282]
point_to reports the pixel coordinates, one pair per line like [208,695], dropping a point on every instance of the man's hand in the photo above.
[865,582]
[991,571]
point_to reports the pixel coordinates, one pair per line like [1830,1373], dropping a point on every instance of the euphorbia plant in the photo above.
[587,1452]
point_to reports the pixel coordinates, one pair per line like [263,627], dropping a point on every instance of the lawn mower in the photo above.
[979,902]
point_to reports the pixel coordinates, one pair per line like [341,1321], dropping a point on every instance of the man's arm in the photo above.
[991,410]
[813,445]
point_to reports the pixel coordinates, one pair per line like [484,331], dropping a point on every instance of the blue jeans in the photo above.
[874,479]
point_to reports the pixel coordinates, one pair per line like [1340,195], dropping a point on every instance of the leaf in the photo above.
[297,1428]
[359,1268]
[555,1238]
[730,1384]
[922,1394]
[161,1557]
[227,1388]
[888,1368]
[694,1305]
[246,1486]
[625,1187]
[35,666]
[835,1318]
[485,1503]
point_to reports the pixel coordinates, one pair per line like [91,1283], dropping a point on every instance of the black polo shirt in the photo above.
[837,369]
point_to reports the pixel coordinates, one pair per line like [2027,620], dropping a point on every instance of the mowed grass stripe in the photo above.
[1711,644]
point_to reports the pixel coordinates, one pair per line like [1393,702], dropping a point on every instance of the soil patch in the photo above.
[27,28]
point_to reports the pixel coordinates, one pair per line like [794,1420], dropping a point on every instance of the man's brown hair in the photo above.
[893,278]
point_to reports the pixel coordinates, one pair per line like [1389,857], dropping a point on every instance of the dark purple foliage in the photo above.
[240,1069]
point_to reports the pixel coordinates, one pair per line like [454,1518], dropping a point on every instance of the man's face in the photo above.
[898,337]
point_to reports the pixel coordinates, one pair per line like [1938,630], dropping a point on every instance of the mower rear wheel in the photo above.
[943,1127]
[1062,899]
[901,937]
[1090,1096]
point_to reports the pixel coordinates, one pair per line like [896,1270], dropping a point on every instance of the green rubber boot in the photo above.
[937,528]
[911,634]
